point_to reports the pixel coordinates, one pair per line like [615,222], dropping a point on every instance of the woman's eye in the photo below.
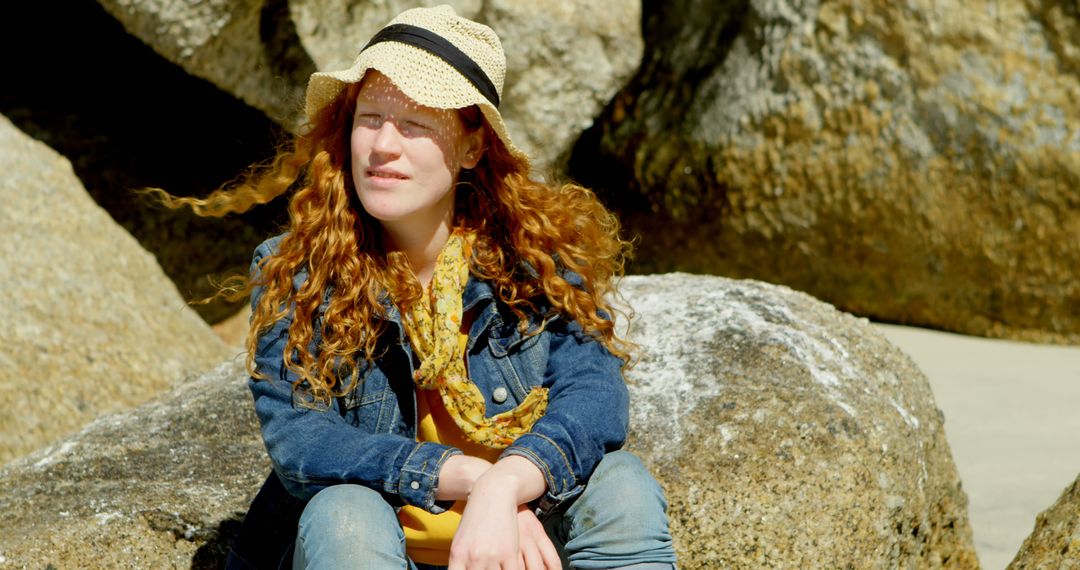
[369,119]
[416,126]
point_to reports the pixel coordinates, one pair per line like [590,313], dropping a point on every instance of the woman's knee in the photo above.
[622,481]
[349,516]
[620,520]
[343,503]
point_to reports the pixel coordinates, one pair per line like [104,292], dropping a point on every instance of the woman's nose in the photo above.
[387,138]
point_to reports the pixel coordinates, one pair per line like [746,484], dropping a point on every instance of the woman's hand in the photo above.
[537,551]
[487,536]
[493,533]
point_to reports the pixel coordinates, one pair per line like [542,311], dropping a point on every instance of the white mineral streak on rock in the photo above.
[103,518]
[53,453]
[910,419]
[662,378]
[677,307]
[819,359]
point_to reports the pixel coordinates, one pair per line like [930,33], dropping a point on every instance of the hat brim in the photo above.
[420,75]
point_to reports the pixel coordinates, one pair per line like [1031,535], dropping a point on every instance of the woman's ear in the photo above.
[474,149]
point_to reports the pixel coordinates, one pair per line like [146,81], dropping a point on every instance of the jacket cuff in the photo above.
[562,485]
[420,476]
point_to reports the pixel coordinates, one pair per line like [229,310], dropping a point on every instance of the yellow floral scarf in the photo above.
[433,324]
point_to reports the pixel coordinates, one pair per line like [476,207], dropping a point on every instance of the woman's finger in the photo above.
[549,555]
[531,559]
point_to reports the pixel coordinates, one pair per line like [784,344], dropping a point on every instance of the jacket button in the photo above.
[499,395]
[414,485]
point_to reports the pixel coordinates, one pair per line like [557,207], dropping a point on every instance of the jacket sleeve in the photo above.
[311,449]
[587,416]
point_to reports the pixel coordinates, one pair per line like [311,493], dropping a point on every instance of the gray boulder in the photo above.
[786,434]
[564,59]
[91,323]
[161,486]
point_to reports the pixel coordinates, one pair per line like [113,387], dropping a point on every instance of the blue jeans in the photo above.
[619,521]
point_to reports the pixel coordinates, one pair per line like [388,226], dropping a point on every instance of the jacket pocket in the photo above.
[371,406]
[519,361]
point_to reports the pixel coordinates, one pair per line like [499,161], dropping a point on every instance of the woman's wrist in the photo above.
[515,476]
[458,475]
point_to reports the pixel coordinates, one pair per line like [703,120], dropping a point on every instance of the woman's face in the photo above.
[406,157]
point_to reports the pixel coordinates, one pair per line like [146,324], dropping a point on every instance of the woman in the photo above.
[433,366]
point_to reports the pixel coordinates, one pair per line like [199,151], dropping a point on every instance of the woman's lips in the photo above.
[386,173]
[384,178]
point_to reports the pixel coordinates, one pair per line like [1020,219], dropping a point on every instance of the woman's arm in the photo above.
[458,475]
[312,449]
[587,416]
[496,531]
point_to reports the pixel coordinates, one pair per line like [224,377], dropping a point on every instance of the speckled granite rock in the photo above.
[788,434]
[912,161]
[91,324]
[162,486]
[1055,542]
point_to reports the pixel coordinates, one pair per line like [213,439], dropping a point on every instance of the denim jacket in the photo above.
[368,437]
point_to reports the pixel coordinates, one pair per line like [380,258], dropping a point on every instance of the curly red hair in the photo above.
[529,235]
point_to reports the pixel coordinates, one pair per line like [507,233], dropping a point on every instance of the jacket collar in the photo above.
[478,294]
[476,291]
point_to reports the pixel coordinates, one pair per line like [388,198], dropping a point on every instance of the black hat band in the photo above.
[439,46]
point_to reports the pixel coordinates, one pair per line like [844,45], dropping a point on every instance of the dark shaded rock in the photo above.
[246,47]
[127,118]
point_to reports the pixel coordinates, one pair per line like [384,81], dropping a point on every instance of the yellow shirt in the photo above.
[428,536]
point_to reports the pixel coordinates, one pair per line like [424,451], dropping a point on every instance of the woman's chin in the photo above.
[387,214]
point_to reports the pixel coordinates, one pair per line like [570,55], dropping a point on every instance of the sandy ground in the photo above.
[1012,422]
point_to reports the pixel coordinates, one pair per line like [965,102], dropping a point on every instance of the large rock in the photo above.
[788,434]
[913,161]
[162,486]
[199,137]
[245,47]
[90,322]
[785,433]
[1055,542]
[565,59]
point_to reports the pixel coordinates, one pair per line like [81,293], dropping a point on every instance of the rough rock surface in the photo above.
[1055,542]
[245,47]
[145,122]
[91,323]
[913,161]
[786,434]
[565,60]
[162,486]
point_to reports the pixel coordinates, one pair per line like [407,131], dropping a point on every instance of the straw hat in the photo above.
[436,58]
